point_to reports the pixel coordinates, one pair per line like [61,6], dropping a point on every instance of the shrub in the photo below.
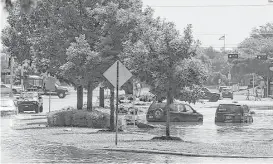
[79,118]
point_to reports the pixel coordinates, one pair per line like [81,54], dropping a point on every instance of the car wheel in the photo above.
[37,110]
[200,120]
[61,94]
[158,113]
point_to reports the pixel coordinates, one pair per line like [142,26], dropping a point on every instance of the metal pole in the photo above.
[116,139]
[253,82]
[49,100]
[22,76]
[11,75]
[224,43]
[134,105]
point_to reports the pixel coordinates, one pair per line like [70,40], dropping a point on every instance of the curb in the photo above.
[180,154]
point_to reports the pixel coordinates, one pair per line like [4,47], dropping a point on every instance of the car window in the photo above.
[180,107]
[188,109]
[173,108]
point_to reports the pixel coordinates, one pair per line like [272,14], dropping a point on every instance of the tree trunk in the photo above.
[79,97]
[89,97]
[112,109]
[101,97]
[168,112]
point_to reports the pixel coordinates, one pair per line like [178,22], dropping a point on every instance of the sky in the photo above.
[210,19]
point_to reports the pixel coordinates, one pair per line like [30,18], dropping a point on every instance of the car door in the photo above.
[189,113]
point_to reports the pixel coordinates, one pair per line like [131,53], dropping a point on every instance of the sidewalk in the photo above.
[86,138]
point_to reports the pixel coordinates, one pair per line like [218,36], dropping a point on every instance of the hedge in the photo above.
[79,118]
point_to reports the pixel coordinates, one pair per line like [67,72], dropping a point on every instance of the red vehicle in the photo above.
[179,112]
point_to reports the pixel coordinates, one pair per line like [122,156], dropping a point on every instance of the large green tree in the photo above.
[163,59]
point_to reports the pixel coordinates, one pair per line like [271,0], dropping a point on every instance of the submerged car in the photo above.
[227,93]
[30,101]
[179,112]
[211,96]
[233,113]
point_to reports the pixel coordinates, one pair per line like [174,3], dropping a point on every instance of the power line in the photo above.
[206,6]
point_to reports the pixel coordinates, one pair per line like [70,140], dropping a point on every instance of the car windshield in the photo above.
[6,103]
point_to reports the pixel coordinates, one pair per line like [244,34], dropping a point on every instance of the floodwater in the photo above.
[17,147]
[261,130]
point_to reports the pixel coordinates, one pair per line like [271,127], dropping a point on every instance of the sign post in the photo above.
[116,138]
[50,86]
[117,75]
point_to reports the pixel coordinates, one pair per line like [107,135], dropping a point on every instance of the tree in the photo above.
[260,42]
[81,68]
[163,59]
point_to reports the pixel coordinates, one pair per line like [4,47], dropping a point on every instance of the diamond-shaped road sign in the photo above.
[111,74]
[50,83]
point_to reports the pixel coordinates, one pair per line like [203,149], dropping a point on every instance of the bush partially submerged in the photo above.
[79,118]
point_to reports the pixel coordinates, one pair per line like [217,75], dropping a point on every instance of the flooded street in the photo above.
[261,130]
[16,147]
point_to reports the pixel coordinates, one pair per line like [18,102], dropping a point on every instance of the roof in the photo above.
[232,103]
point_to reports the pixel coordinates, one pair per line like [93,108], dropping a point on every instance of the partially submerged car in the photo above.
[179,112]
[233,113]
[30,101]
[227,93]
[211,96]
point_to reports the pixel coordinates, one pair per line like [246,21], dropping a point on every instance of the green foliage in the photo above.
[163,58]
[260,42]
[78,118]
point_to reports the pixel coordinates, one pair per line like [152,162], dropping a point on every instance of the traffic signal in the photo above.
[262,57]
[233,56]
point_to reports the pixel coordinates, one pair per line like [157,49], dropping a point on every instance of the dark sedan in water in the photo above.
[179,112]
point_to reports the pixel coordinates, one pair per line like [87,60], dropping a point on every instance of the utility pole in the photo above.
[11,76]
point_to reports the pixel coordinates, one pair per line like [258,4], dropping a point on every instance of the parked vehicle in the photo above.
[233,113]
[36,83]
[227,93]
[211,96]
[179,112]
[30,101]
[7,106]
[60,91]
[5,89]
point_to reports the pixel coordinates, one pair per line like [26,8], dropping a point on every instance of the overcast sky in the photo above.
[211,19]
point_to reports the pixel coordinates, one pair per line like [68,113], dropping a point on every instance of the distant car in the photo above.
[7,106]
[30,101]
[233,113]
[227,93]
[60,91]
[179,112]
[6,89]
[221,88]
[211,96]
